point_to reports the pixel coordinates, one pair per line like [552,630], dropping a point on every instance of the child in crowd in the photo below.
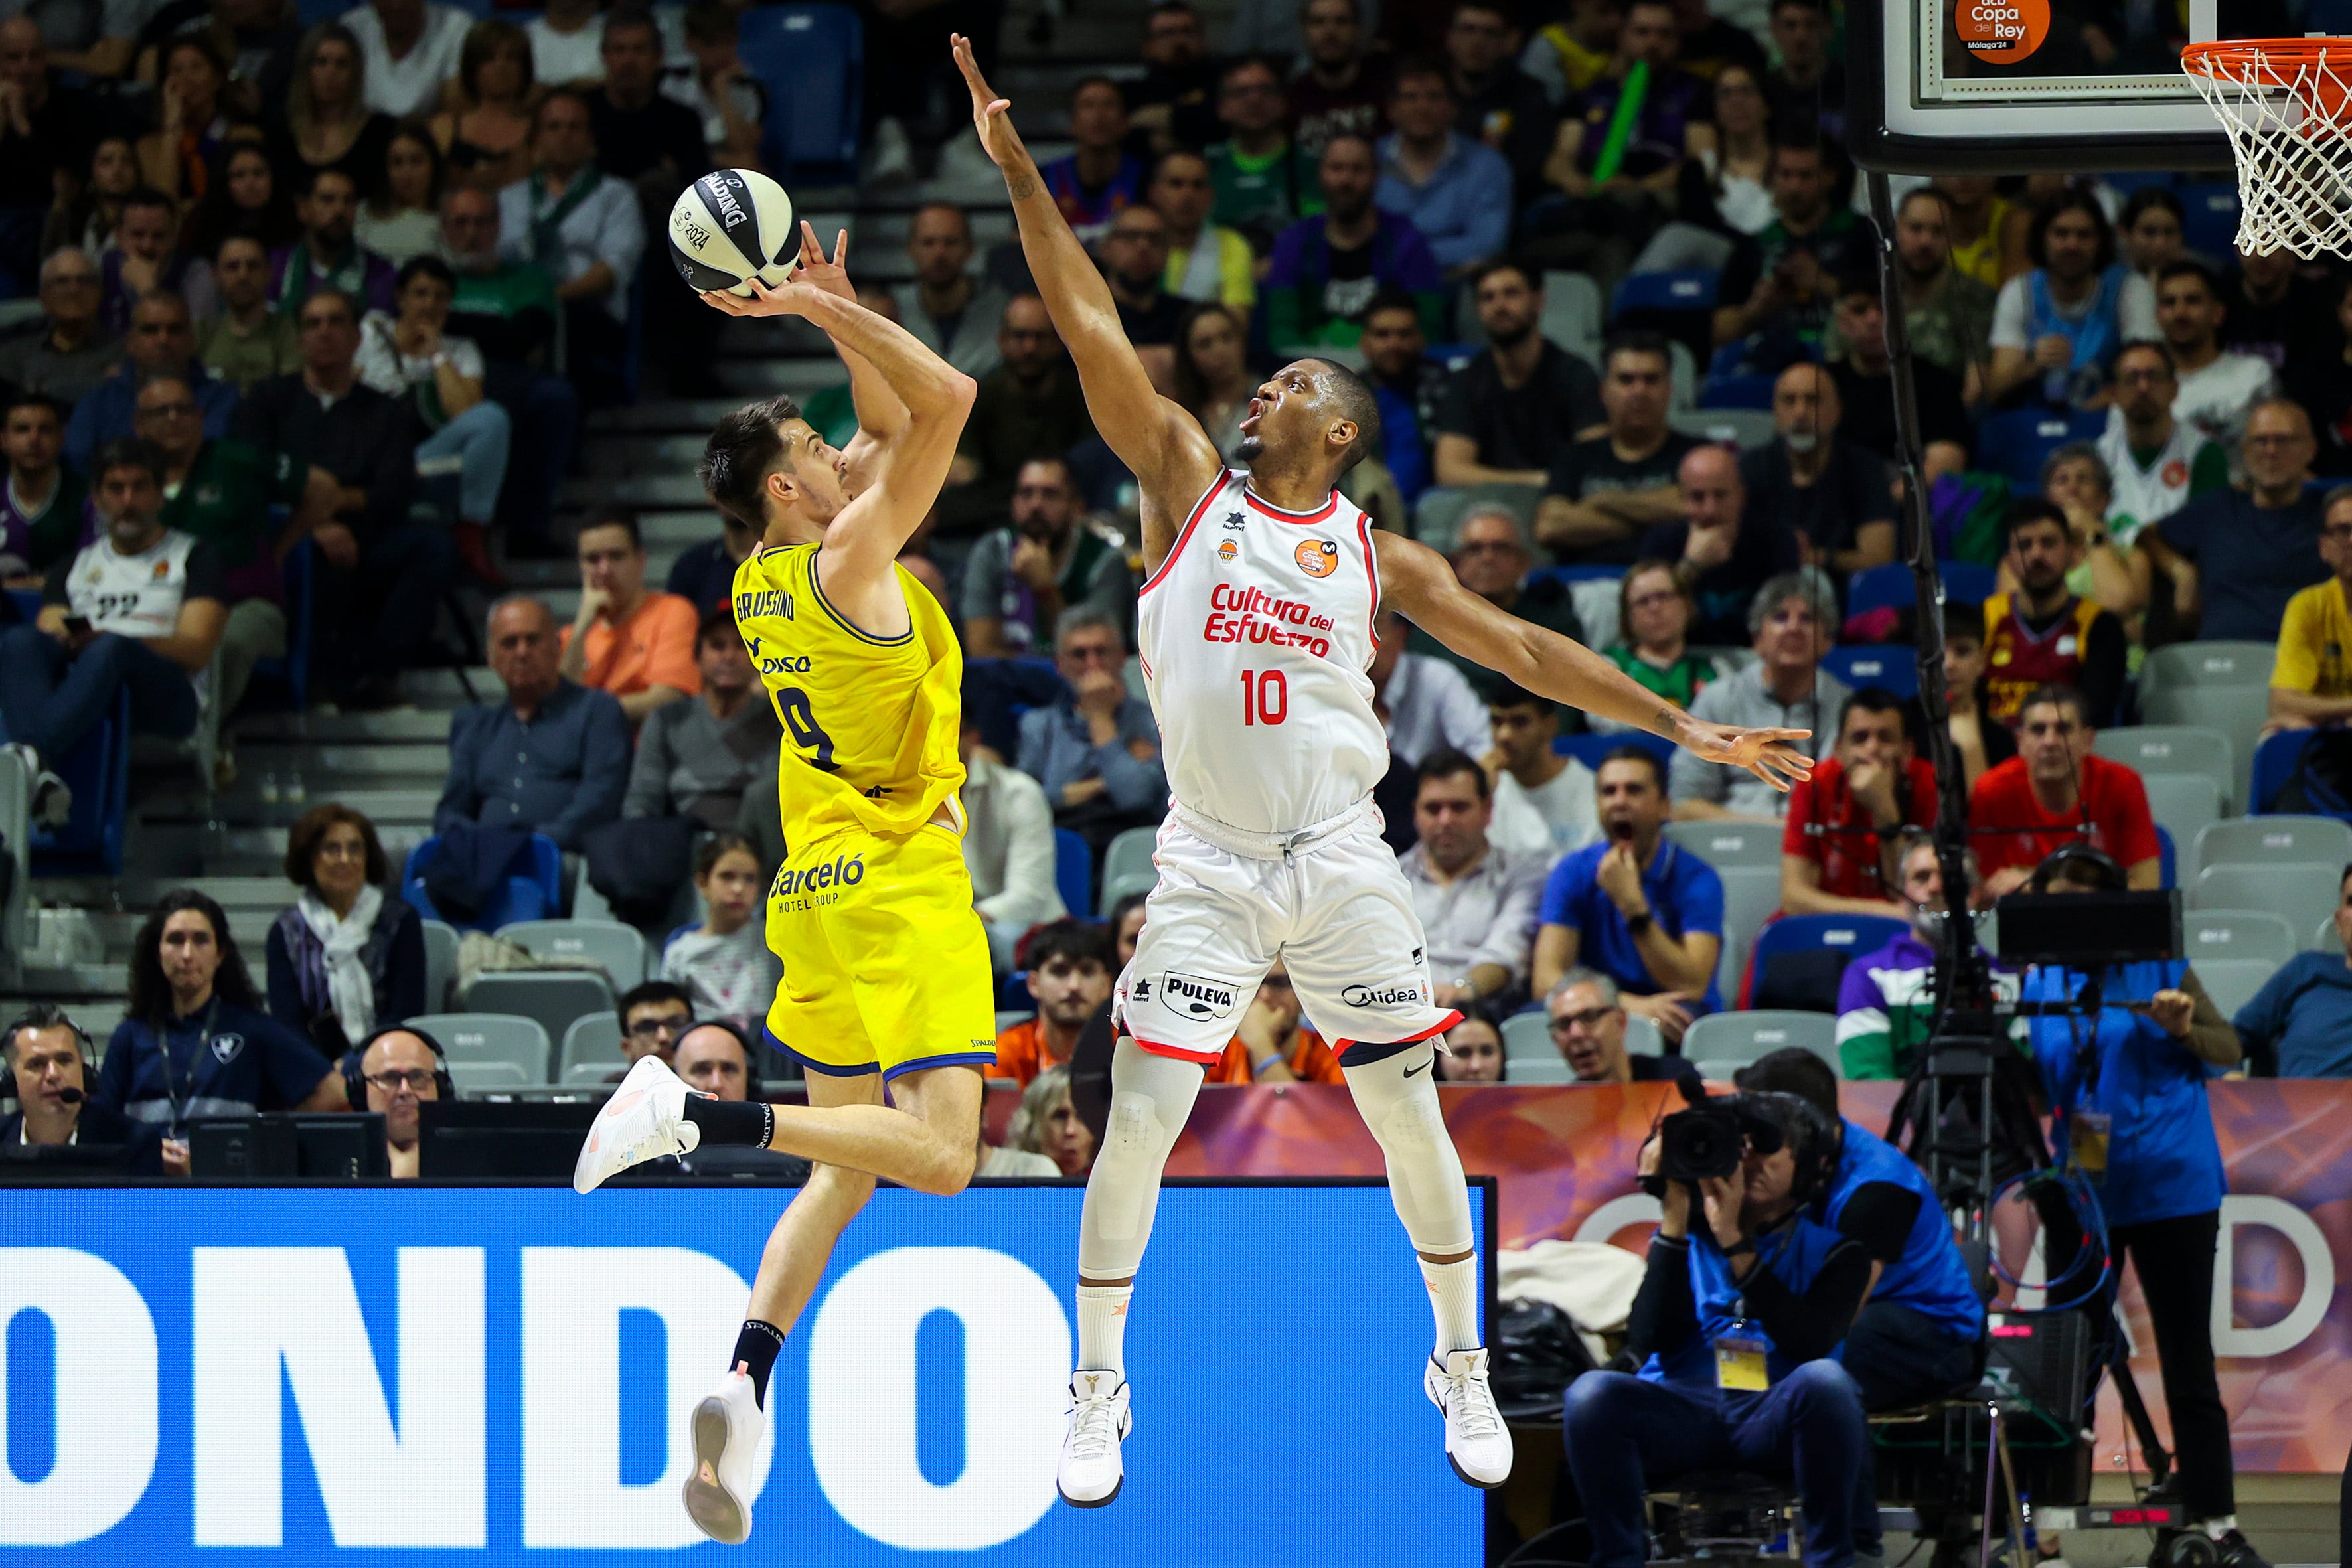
[724,963]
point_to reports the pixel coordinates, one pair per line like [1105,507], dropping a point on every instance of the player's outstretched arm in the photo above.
[1419,584]
[1161,445]
[880,413]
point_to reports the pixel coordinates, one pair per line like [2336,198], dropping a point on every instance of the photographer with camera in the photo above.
[2125,1075]
[1742,1304]
[1921,1334]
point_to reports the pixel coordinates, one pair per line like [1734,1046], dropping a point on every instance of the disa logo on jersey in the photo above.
[1317,557]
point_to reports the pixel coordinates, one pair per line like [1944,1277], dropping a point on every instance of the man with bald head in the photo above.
[69,353]
[1837,496]
[398,1069]
[714,1058]
[1724,548]
[2237,556]
[950,312]
[552,758]
[46,130]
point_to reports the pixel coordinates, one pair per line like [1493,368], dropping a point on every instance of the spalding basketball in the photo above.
[730,227]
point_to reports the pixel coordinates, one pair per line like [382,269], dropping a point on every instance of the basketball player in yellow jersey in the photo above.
[885,965]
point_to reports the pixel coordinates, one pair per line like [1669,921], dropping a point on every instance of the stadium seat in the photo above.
[98,770]
[1589,749]
[441,941]
[2236,712]
[99,1020]
[1571,314]
[2191,751]
[537,896]
[590,1075]
[2183,803]
[2304,895]
[1074,872]
[2275,763]
[551,998]
[1006,1018]
[490,1037]
[1736,392]
[476,1077]
[2233,982]
[2321,841]
[595,1037]
[812,60]
[1746,428]
[17,843]
[1848,935]
[1527,1037]
[1690,288]
[2209,221]
[1894,667]
[1741,1037]
[1723,844]
[1537,1070]
[620,948]
[1892,586]
[2016,443]
[1128,867]
[2209,934]
[2169,850]
[2183,664]
[1751,894]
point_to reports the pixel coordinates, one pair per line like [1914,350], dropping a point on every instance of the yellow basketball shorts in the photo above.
[885,965]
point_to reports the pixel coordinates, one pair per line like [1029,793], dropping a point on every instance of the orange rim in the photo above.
[2228,59]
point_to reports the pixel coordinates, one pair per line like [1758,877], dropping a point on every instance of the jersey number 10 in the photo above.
[1266,696]
[792,706]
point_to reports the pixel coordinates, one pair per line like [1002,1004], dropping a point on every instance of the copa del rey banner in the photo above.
[1564,1160]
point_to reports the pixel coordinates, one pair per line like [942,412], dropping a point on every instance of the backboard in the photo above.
[2011,87]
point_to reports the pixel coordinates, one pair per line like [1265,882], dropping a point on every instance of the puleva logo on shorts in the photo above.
[1402,994]
[1317,557]
[1200,997]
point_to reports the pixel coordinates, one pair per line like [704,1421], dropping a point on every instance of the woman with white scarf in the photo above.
[349,955]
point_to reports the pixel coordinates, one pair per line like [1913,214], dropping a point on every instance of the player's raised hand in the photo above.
[789,298]
[814,270]
[1764,753]
[991,115]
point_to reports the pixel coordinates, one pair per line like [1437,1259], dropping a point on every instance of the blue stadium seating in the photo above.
[1692,288]
[1590,749]
[1894,667]
[2208,220]
[2170,858]
[29,603]
[98,771]
[2016,443]
[1736,392]
[1890,587]
[1074,872]
[539,896]
[1847,934]
[1578,574]
[812,60]
[2274,762]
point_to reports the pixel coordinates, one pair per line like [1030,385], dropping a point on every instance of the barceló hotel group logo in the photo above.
[2001,31]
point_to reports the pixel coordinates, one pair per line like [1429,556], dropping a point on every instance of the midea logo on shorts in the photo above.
[835,873]
[1381,996]
[1202,999]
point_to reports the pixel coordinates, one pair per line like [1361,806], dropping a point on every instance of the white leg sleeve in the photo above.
[1399,1104]
[1150,1097]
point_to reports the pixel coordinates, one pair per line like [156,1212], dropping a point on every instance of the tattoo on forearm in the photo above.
[1021,187]
[1663,721]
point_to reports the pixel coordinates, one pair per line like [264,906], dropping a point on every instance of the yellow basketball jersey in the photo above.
[871,725]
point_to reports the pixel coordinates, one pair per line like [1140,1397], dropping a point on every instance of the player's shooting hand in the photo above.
[991,117]
[1767,753]
[788,299]
[814,270]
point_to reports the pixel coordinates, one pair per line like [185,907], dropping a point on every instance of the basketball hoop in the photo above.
[2285,105]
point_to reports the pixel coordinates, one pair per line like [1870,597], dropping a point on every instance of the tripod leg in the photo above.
[2159,1459]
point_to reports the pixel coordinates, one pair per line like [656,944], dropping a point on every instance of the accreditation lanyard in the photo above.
[1742,1355]
[173,1089]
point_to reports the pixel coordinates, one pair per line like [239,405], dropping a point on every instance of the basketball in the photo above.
[730,227]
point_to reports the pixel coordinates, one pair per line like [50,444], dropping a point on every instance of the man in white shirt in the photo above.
[2218,390]
[1477,902]
[579,225]
[567,43]
[140,610]
[2157,463]
[410,48]
[1425,703]
[1543,801]
[1008,847]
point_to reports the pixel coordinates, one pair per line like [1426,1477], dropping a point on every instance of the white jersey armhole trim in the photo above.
[1372,570]
[1199,510]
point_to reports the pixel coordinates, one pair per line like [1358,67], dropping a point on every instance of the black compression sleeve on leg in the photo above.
[750,1123]
[757,1347]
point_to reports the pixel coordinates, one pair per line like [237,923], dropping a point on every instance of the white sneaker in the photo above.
[726,1430]
[890,157]
[644,1119]
[50,805]
[1091,1474]
[1477,1444]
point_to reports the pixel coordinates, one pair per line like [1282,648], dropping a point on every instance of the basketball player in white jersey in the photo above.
[1257,627]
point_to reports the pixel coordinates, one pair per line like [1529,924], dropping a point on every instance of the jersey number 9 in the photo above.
[792,706]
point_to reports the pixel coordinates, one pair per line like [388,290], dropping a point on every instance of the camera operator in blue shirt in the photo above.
[1742,1304]
[2127,1090]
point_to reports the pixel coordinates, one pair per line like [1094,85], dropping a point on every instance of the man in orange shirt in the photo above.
[1275,1043]
[636,645]
[1069,977]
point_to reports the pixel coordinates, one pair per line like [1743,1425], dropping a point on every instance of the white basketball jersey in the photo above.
[1256,633]
[136,595]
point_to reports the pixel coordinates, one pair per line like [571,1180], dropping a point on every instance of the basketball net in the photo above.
[2282,103]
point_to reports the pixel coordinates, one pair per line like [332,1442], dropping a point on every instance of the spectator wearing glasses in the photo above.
[2299,1024]
[1491,559]
[1134,249]
[1175,101]
[1886,1003]
[1019,581]
[553,758]
[346,958]
[400,1072]
[66,354]
[654,1015]
[2236,557]
[161,339]
[1656,613]
[1097,751]
[2311,681]
[1587,1018]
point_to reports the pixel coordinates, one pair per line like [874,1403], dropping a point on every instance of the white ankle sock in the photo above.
[1453,1301]
[1102,1328]
[2219,1526]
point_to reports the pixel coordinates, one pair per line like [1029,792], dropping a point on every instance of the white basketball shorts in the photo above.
[1335,908]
